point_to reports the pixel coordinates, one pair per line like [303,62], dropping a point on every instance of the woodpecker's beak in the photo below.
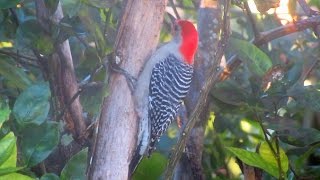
[172,18]
[174,25]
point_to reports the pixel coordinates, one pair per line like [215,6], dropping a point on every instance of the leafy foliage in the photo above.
[269,103]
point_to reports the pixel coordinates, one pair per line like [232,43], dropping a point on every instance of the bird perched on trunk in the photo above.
[162,85]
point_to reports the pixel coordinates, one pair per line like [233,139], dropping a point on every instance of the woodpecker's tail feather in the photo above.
[134,162]
[136,159]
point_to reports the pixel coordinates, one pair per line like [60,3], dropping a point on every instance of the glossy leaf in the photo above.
[13,74]
[8,151]
[257,61]
[266,153]
[5,4]
[4,110]
[16,176]
[9,170]
[151,168]
[76,166]
[254,159]
[299,136]
[38,142]
[32,106]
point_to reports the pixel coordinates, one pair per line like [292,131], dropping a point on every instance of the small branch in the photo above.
[305,7]
[252,20]
[210,80]
[268,36]
[18,57]
[174,9]
[290,28]
[275,152]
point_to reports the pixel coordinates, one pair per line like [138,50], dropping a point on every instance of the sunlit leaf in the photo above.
[254,159]
[266,153]
[15,75]
[76,166]
[16,176]
[4,110]
[38,142]
[32,105]
[257,61]
[264,5]
[5,4]
[151,168]
[9,170]
[8,151]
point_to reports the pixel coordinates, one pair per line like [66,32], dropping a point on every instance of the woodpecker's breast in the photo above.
[169,84]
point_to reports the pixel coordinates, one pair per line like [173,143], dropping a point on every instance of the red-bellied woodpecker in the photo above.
[163,83]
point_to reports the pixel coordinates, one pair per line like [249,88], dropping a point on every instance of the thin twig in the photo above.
[15,55]
[212,78]
[270,35]
[252,20]
[275,152]
[174,9]
[304,5]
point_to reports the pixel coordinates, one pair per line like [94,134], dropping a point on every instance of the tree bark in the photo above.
[209,25]
[137,37]
[212,77]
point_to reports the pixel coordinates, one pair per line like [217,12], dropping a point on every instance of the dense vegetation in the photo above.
[263,116]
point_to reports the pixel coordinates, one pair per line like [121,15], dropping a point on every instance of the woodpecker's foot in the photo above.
[132,81]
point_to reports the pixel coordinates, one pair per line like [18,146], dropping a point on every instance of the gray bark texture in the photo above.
[137,37]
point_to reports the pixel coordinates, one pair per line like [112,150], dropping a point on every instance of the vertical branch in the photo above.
[209,16]
[137,37]
[212,78]
[65,82]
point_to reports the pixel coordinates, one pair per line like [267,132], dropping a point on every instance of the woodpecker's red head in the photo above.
[188,39]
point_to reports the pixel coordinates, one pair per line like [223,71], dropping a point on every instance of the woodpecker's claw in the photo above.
[132,81]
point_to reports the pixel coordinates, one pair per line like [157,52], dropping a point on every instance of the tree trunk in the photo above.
[137,37]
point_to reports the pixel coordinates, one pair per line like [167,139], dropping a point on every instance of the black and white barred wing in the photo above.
[170,82]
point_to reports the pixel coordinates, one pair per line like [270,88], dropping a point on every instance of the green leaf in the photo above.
[76,166]
[254,159]
[311,98]
[8,151]
[5,4]
[4,110]
[49,176]
[13,74]
[38,142]
[266,153]
[230,93]
[32,105]
[299,136]
[4,171]
[151,168]
[16,176]
[256,60]
[30,33]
